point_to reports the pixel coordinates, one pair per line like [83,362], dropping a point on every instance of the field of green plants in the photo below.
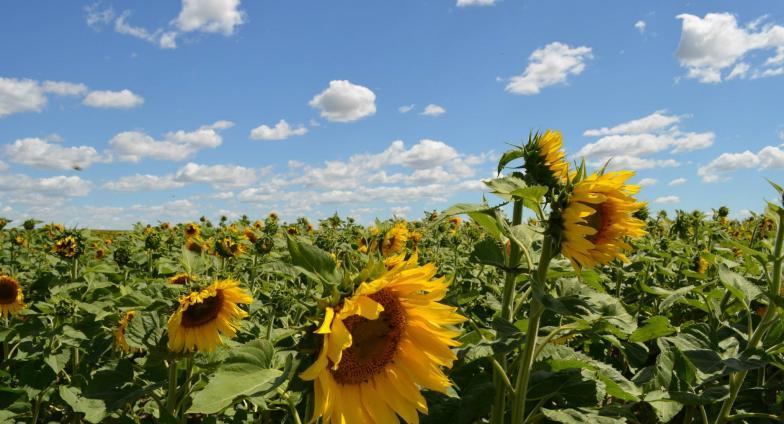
[490,312]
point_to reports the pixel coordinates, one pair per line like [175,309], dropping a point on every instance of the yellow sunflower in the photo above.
[119,334]
[550,146]
[598,218]
[192,229]
[181,278]
[454,224]
[395,239]
[11,296]
[381,346]
[203,316]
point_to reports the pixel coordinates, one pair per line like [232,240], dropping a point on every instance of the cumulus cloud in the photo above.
[433,110]
[63,88]
[406,108]
[677,182]
[469,3]
[124,99]
[27,95]
[549,65]
[640,25]
[769,157]
[647,182]
[715,43]
[343,101]
[628,144]
[133,146]
[219,176]
[26,189]
[281,131]
[667,200]
[214,16]
[42,154]
[143,182]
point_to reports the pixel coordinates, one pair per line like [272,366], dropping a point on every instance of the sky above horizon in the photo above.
[114,112]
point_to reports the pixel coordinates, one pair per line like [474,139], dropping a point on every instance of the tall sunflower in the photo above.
[203,316]
[550,146]
[395,239]
[119,334]
[11,296]
[380,346]
[597,219]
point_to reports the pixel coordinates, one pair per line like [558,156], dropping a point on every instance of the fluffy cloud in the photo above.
[220,176]
[433,110]
[549,65]
[640,25]
[133,146]
[343,101]
[41,154]
[715,43]
[628,143]
[769,157]
[221,16]
[143,182]
[26,95]
[667,200]
[468,3]
[647,182]
[677,182]
[281,131]
[406,108]
[125,99]
[25,189]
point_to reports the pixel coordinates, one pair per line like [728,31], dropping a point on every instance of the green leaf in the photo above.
[59,360]
[94,410]
[509,156]
[144,331]
[313,261]
[665,408]
[578,416]
[738,286]
[488,252]
[654,327]
[244,373]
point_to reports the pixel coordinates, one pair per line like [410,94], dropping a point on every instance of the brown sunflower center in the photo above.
[201,313]
[374,342]
[8,291]
[598,221]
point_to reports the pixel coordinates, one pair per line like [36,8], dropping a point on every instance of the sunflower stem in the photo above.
[534,317]
[507,302]
[171,396]
[186,388]
[736,379]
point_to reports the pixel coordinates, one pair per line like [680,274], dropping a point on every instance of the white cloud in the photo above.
[677,182]
[26,189]
[628,143]
[39,153]
[549,65]
[667,200]
[647,182]
[433,110]
[343,101]
[63,88]
[133,146]
[640,25]
[406,108]
[124,99]
[769,157]
[143,182]
[222,16]
[712,44]
[281,131]
[220,176]
[97,18]
[468,3]
[20,96]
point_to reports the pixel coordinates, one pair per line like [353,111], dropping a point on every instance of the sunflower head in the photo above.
[700,265]
[203,316]
[181,279]
[99,253]
[395,239]
[597,219]
[258,224]
[229,246]
[11,296]
[544,159]
[3,223]
[250,235]
[192,229]
[69,245]
[362,245]
[119,333]
[292,230]
[19,240]
[195,245]
[381,346]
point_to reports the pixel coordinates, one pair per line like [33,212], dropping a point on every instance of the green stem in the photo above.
[736,379]
[534,317]
[171,396]
[507,302]
[186,388]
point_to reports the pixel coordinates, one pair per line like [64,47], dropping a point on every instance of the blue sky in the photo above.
[173,110]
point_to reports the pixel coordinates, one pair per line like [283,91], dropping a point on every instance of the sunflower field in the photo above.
[557,299]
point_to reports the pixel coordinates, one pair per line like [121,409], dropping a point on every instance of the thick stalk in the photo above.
[736,379]
[171,396]
[534,316]
[507,301]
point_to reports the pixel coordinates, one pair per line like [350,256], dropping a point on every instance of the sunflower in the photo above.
[196,245]
[550,147]
[362,245]
[119,334]
[381,346]
[68,246]
[598,217]
[292,230]
[395,239]
[250,235]
[454,224]
[181,278]
[203,316]
[192,229]
[11,296]
[229,246]
[258,224]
